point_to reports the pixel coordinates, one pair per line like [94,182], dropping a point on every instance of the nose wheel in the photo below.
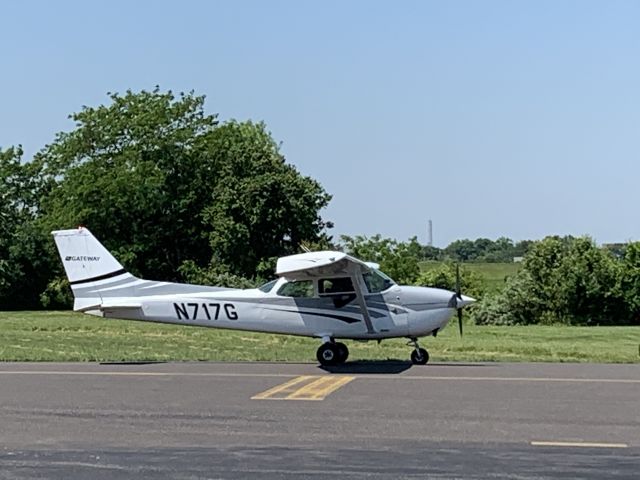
[419,356]
[332,353]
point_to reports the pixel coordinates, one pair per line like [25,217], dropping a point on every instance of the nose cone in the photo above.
[464,301]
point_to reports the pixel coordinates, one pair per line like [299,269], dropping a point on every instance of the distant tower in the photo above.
[430,233]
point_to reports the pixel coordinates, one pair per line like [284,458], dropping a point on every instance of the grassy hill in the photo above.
[494,274]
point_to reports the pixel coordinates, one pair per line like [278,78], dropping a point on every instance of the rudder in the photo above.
[87,263]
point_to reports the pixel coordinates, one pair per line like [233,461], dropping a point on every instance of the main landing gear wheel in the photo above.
[343,352]
[419,356]
[332,353]
[328,354]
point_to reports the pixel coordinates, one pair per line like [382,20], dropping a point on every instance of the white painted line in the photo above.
[579,444]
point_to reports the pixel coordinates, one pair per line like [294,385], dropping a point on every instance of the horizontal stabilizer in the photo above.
[108,306]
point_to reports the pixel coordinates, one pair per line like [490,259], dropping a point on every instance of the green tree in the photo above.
[630,281]
[134,172]
[262,208]
[444,276]
[23,268]
[563,280]
[174,194]
[399,260]
[461,250]
[430,252]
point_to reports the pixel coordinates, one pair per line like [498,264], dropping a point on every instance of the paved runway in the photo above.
[282,421]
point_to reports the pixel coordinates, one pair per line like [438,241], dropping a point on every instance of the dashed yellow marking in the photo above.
[306,387]
[579,444]
[284,388]
[321,388]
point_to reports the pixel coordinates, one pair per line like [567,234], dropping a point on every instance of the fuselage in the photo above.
[397,311]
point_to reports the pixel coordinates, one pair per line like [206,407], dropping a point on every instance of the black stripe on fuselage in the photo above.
[342,318]
[100,277]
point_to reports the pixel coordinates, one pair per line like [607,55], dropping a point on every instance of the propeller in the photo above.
[459,297]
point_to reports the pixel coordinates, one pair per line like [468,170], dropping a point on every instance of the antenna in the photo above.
[430,233]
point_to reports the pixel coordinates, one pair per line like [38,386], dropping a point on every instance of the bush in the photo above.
[570,281]
[444,276]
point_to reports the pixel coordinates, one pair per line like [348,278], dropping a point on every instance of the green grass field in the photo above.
[493,274]
[64,336]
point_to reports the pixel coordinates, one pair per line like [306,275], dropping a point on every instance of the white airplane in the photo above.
[326,295]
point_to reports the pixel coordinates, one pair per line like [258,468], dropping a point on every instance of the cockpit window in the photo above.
[301,288]
[377,281]
[267,287]
[332,286]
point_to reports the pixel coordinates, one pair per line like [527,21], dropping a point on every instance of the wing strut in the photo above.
[363,305]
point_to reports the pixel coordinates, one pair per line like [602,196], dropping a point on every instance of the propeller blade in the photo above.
[459,295]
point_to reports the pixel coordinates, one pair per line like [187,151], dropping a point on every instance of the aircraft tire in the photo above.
[343,352]
[328,354]
[420,358]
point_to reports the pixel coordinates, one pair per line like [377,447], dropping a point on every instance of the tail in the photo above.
[99,282]
[90,268]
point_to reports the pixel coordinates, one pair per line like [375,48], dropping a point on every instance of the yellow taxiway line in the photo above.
[321,388]
[305,387]
[579,444]
[284,388]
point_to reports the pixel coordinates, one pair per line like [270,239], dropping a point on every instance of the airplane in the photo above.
[327,295]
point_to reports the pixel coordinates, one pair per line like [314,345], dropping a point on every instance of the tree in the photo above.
[461,250]
[262,208]
[430,252]
[444,276]
[563,280]
[23,268]
[134,172]
[174,194]
[399,260]
[630,281]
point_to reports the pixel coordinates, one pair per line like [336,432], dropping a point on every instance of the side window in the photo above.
[332,286]
[301,288]
[376,281]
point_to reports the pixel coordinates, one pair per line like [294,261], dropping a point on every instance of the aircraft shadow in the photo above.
[374,366]
[388,366]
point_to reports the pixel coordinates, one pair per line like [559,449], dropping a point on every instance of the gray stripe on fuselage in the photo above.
[81,289]
[109,290]
[419,307]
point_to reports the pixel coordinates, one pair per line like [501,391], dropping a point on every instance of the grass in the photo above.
[493,274]
[65,336]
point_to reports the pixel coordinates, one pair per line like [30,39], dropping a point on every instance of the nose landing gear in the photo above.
[419,356]
[332,353]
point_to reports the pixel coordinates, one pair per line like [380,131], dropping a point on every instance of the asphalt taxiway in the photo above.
[362,420]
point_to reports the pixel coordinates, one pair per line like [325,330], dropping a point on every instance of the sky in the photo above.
[492,118]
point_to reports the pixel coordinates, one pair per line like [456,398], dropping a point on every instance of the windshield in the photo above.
[377,281]
[267,287]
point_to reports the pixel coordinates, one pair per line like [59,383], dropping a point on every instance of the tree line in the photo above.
[171,191]
[177,195]
[563,280]
[502,249]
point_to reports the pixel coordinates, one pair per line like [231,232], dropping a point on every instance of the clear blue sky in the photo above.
[514,118]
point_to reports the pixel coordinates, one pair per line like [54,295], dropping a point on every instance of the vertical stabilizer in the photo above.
[89,266]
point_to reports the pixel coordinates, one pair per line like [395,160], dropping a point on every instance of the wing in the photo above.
[311,265]
[316,264]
